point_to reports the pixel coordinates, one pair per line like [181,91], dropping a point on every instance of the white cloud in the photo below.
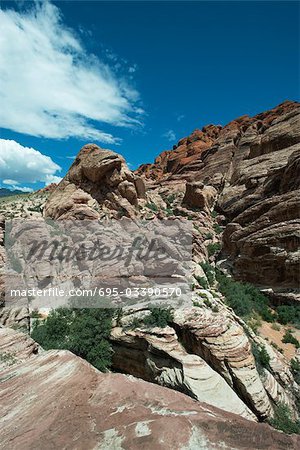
[20,164]
[170,135]
[180,117]
[50,86]
[20,188]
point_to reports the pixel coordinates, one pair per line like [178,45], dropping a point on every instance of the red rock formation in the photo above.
[254,163]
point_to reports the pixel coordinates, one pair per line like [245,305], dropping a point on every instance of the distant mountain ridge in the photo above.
[4,192]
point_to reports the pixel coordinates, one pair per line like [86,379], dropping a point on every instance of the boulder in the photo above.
[98,183]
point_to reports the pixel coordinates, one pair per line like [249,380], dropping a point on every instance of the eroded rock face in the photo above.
[72,404]
[254,163]
[98,183]
[15,317]
[199,196]
[156,355]
[206,353]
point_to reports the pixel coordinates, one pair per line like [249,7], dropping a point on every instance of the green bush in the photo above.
[213,248]
[283,420]
[208,236]
[295,368]
[261,356]
[159,317]
[209,272]
[202,281]
[152,206]
[84,332]
[288,314]
[245,299]
[288,338]
[217,228]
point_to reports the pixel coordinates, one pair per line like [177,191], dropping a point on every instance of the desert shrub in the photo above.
[152,206]
[217,228]
[207,302]
[261,356]
[84,332]
[288,338]
[214,214]
[295,368]
[283,420]
[202,281]
[136,323]
[198,304]
[169,211]
[208,236]
[213,248]
[246,300]
[288,314]
[170,199]
[275,326]
[159,317]
[209,272]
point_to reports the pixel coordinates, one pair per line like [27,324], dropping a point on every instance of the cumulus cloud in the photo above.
[20,165]
[170,135]
[50,86]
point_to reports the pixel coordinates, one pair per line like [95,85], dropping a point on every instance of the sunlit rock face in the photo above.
[254,163]
[98,182]
[69,401]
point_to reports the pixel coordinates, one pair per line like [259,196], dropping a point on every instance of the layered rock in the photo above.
[254,164]
[98,183]
[157,356]
[68,403]
[206,353]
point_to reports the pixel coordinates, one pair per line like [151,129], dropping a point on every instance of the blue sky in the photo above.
[133,76]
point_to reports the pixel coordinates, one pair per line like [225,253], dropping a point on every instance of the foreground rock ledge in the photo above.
[56,400]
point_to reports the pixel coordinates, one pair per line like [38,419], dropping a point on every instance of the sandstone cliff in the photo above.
[254,164]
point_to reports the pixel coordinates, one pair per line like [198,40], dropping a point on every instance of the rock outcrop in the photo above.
[156,355]
[206,353]
[67,403]
[254,163]
[98,183]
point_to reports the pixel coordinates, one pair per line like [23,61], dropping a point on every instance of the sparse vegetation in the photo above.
[289,338]
[159,317]
[213,248]
[295,368]
[209,272]
[207,302]
[261,356]
[84,332]
[283,420]
[276,347]
[152,206]
[245,299]
[217,228]
[288,314]
[202,281]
